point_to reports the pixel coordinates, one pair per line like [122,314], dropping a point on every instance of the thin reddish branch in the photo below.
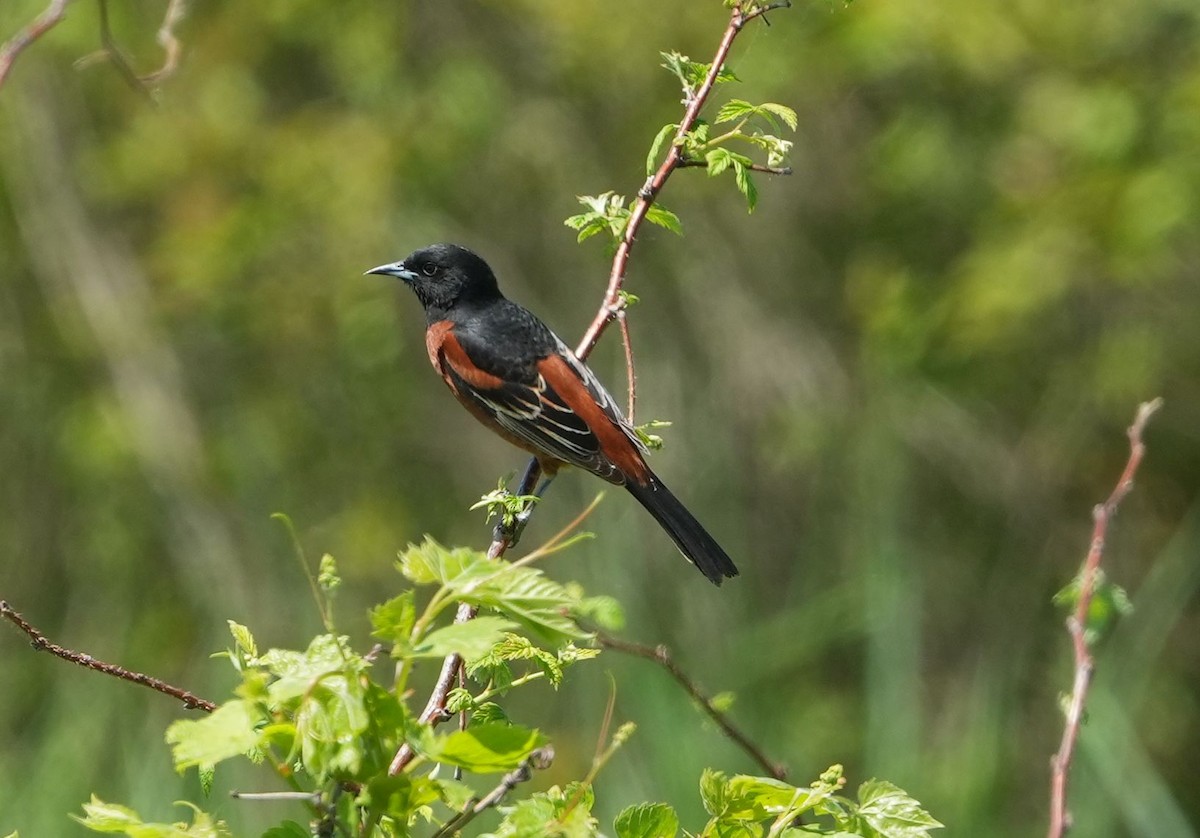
[630,373]
[662,656]
[742,13]
[39,26]
[39,641]
[1060,764]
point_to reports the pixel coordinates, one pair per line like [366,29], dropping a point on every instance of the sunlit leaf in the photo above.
[486,748]
[470,639]
[890,811]
[228,731]
[647,820]
[664,218]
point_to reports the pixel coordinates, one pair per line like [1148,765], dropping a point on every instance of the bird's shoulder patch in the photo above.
[447,354]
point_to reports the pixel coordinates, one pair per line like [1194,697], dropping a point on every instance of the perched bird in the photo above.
[517,377]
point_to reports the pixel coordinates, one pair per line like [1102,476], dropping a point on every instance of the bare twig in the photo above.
[754,167]
[313,797]
[111,51]
[662,656]
[1060,764]
[630,374]
[539,759]
[54,12]
[176,12]
[39,641]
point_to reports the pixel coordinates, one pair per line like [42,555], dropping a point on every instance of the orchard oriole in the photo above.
[517,377]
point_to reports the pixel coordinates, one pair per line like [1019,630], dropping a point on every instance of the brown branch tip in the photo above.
[39,641]
[1060,763]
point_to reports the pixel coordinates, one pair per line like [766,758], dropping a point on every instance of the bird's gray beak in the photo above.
[396,269]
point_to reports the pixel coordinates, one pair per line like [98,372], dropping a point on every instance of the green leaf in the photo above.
[298,671]
[783,112]
[652,441]
[759,797]
[504,503]
[207,775]
[471,639]
[605,212]
[554,813]
[664,218]
[430,562]
[1109,603]
[692,73]
[287,829]
[485,748]
[527,596]
[647,820]
[111,818]
[401,796]
[393,620]
[718,160]
[229,731]
[487,713]
[890,811]
[714,791]
[745,184]
[243,640]
[660,139]
[604,611]
[514,647]
[734,109]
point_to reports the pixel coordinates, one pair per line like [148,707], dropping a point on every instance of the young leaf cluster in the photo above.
[755,128]
[329,720]
[607,213]
[502,503]
[763,807]
[1109,603]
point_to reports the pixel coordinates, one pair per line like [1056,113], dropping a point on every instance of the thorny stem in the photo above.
[1060,763]
[39,641]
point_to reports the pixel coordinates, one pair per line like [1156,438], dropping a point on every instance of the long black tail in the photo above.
[700,548]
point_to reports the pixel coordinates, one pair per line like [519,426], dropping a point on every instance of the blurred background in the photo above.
[897,388]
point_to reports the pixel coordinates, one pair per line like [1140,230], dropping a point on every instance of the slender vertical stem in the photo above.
[1060,764]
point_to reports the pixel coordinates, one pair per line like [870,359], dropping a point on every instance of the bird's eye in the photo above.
[429,269]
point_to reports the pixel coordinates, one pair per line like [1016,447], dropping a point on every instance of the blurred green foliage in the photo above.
[896,389]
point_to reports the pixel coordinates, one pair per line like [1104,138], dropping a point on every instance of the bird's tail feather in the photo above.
[700,548]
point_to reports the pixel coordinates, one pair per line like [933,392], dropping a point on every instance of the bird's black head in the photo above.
[444,276]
